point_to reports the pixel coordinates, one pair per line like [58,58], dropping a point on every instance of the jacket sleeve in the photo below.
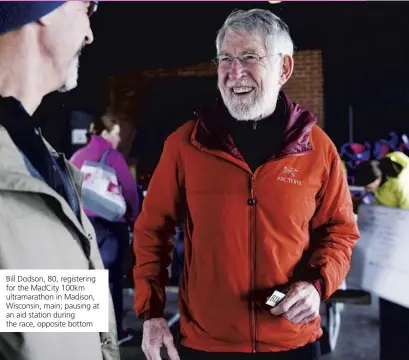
[401,195]
[334,230]
[154,231]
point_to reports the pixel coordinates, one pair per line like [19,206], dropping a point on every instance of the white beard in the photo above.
[243,109]
[253,107]
[71,81]
[72,75]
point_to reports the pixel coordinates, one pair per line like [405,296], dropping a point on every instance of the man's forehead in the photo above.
[241,41]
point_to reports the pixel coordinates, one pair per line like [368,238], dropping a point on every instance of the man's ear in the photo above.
[287,68]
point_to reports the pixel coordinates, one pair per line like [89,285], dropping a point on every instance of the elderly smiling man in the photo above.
[266,207]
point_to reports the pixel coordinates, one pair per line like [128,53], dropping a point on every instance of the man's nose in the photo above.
[89,38]
[236,69]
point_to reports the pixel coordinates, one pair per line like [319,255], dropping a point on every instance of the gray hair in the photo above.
[263,23]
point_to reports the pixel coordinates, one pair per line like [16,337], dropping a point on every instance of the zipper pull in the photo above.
[252,199]
[251,202]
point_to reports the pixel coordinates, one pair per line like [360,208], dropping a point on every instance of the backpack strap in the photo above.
[104,157]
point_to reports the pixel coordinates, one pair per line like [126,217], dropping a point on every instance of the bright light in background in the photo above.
[274,2]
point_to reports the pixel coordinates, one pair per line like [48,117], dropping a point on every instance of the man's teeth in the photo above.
[242,89]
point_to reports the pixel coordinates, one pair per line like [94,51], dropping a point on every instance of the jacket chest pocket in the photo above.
[288,204]
[216,176]
[297,208]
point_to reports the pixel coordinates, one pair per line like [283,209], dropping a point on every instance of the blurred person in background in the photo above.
[387,179]
[42,224]
[266,206]
[112,237]
[387,183]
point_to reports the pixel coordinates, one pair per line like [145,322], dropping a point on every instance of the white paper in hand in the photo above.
[275,298]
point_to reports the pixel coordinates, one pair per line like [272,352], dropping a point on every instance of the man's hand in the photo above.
[301,305]
[156,333]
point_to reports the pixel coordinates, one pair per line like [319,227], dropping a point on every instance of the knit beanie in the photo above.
[15,14]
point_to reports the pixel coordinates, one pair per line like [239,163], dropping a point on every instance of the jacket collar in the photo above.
[212,130]
[14,174]
[15,118]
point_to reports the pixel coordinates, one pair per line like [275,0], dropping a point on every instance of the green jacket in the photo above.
[395,191]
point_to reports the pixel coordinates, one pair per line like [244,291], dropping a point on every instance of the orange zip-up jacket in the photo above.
[245,233]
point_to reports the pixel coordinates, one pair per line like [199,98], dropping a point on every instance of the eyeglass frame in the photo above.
[215,60]
[92,8]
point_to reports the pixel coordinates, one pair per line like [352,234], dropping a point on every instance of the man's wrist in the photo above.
[313,276]
[149,315]
[319,285]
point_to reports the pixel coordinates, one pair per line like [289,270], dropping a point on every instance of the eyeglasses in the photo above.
[246,60]
[92,8]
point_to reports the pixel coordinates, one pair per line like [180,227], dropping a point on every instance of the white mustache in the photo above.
[241,85]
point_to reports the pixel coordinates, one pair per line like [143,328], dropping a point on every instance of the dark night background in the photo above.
[364,44]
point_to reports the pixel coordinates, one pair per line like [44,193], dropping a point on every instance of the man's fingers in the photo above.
[172,353]
[309,318]
[301,312]
[154,353]
[301,304]
[152,350]
[170,347]
[294,312]
[156,333]
[145,351]
[286,304]
[298,317]
[279,309]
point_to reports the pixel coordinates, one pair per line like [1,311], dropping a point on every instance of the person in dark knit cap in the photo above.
[42,224]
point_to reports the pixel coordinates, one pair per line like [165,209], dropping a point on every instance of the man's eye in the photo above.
[225,59]
[250,57]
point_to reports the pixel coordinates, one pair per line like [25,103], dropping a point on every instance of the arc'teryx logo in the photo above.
[289,172]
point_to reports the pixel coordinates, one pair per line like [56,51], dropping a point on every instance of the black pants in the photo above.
[112,241]
[394,331]
[307,352]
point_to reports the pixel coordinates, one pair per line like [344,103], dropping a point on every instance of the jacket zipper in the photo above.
[252,245]
[39,131]
[72,183]
[252,202]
